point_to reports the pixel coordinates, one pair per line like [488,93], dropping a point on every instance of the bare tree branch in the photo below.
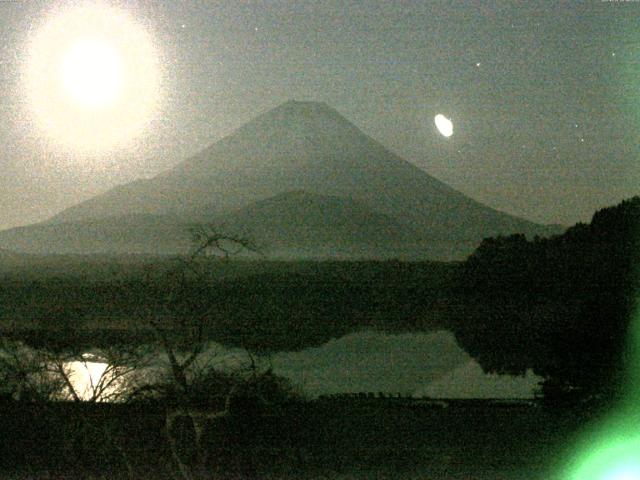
[59,369]
[208,242]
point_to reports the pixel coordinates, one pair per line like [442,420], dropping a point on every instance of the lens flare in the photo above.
[444,125]
[614,457]
[611,451]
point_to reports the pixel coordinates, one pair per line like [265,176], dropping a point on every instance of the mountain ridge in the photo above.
[306,146]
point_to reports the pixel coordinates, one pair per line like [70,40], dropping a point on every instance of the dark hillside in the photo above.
[261,305]
[561,306]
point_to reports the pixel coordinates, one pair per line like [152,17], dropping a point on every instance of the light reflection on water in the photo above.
[89,377]
[94,377]
[429,364]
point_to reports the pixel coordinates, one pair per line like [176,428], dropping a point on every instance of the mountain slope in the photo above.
[292,224]
[310,225]
[306,146]
[136,233]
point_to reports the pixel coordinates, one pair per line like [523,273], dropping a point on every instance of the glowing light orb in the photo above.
[92,77]
[91,72]
[613,459]
[444,125]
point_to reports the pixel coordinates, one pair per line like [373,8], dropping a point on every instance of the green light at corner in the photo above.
[610,459]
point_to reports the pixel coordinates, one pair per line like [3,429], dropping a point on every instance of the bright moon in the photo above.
[92,78]
[91,72]
[444,125]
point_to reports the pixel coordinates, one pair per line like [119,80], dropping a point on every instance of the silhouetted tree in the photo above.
[25,376]
[197,396]
[559,306]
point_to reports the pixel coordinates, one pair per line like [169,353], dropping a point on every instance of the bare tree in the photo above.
[210,240]
[24,374]
[183,341]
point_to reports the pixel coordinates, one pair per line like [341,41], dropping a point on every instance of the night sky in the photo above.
[544,96]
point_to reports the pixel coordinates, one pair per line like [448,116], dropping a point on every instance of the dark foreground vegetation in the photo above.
[320,439]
